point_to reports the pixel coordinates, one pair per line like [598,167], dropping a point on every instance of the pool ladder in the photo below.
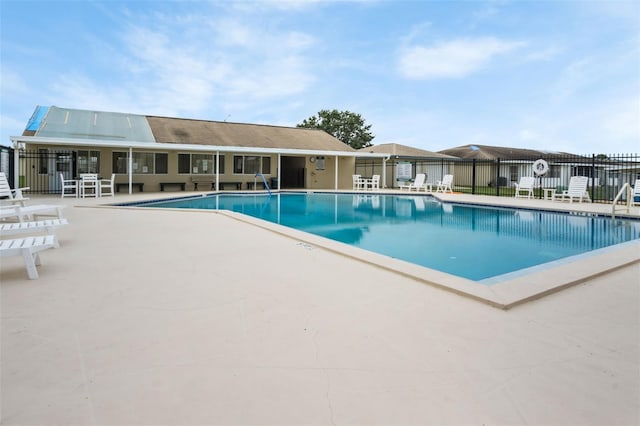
[264,180]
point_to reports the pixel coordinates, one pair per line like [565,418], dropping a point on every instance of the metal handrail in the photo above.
[264,180]
[629,193]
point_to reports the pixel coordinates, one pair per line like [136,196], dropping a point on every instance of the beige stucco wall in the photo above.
[315,178]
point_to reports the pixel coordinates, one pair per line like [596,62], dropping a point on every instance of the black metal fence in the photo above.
[607,173]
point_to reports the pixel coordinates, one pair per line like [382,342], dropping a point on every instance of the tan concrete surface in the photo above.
[148,317]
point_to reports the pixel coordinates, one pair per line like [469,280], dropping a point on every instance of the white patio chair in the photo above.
[636,193]
[577,189]
[29,248]
[358,183]
[446,184]
[89,185]
[526,186]
[417,184]
[375,182]
[106,186]
[68,185]
[14,196]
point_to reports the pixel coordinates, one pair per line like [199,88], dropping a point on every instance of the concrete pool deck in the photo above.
[147,317]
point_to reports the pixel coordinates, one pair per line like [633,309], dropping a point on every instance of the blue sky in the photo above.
[554,75]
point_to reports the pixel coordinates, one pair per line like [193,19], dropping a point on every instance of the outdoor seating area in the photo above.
[89,185]
[23,219]
[361,183]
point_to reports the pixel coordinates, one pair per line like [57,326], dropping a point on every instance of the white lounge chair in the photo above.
[417,184]
[526,186]
[577,189]
[48,226]
[68,185]
[14,195]
[106,186]
[27,213]
[29,248]
[446,184]
[636,193]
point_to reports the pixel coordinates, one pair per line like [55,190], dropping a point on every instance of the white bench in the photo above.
[29,248]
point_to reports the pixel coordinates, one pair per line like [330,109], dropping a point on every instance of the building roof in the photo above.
[487,152]
[65,126]
[398,150]
[220,133]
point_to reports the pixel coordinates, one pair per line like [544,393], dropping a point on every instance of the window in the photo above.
[513,173]
[251,164]
[43,161]
[199,164]
[88,162]
[143,163]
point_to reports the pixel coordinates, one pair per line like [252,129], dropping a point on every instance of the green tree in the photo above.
[346,126]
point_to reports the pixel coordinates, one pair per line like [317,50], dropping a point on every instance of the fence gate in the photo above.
[40,170]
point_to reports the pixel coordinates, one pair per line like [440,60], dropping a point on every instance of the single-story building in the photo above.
[515,163]
[403,164]
[146,151]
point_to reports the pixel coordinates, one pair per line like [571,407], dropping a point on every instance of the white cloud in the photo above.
[452,59]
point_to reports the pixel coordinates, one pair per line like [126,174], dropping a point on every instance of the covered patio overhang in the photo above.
[20,141]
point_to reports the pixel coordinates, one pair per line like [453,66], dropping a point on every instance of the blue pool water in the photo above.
[468,241]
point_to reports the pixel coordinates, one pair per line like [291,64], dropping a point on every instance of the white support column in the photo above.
[279,179]
[130,170]
[16,165]
[335,179]
[217,170]
[384,172]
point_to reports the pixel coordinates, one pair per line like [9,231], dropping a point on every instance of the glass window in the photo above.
[162,163]
[513,173]
[266,165]
[43,161]
[251,165]
[143,163]
[238,163]
[119,162]
[184,163]
[202,164]
[88,162]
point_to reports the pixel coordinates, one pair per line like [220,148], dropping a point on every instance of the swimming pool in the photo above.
[474,242]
